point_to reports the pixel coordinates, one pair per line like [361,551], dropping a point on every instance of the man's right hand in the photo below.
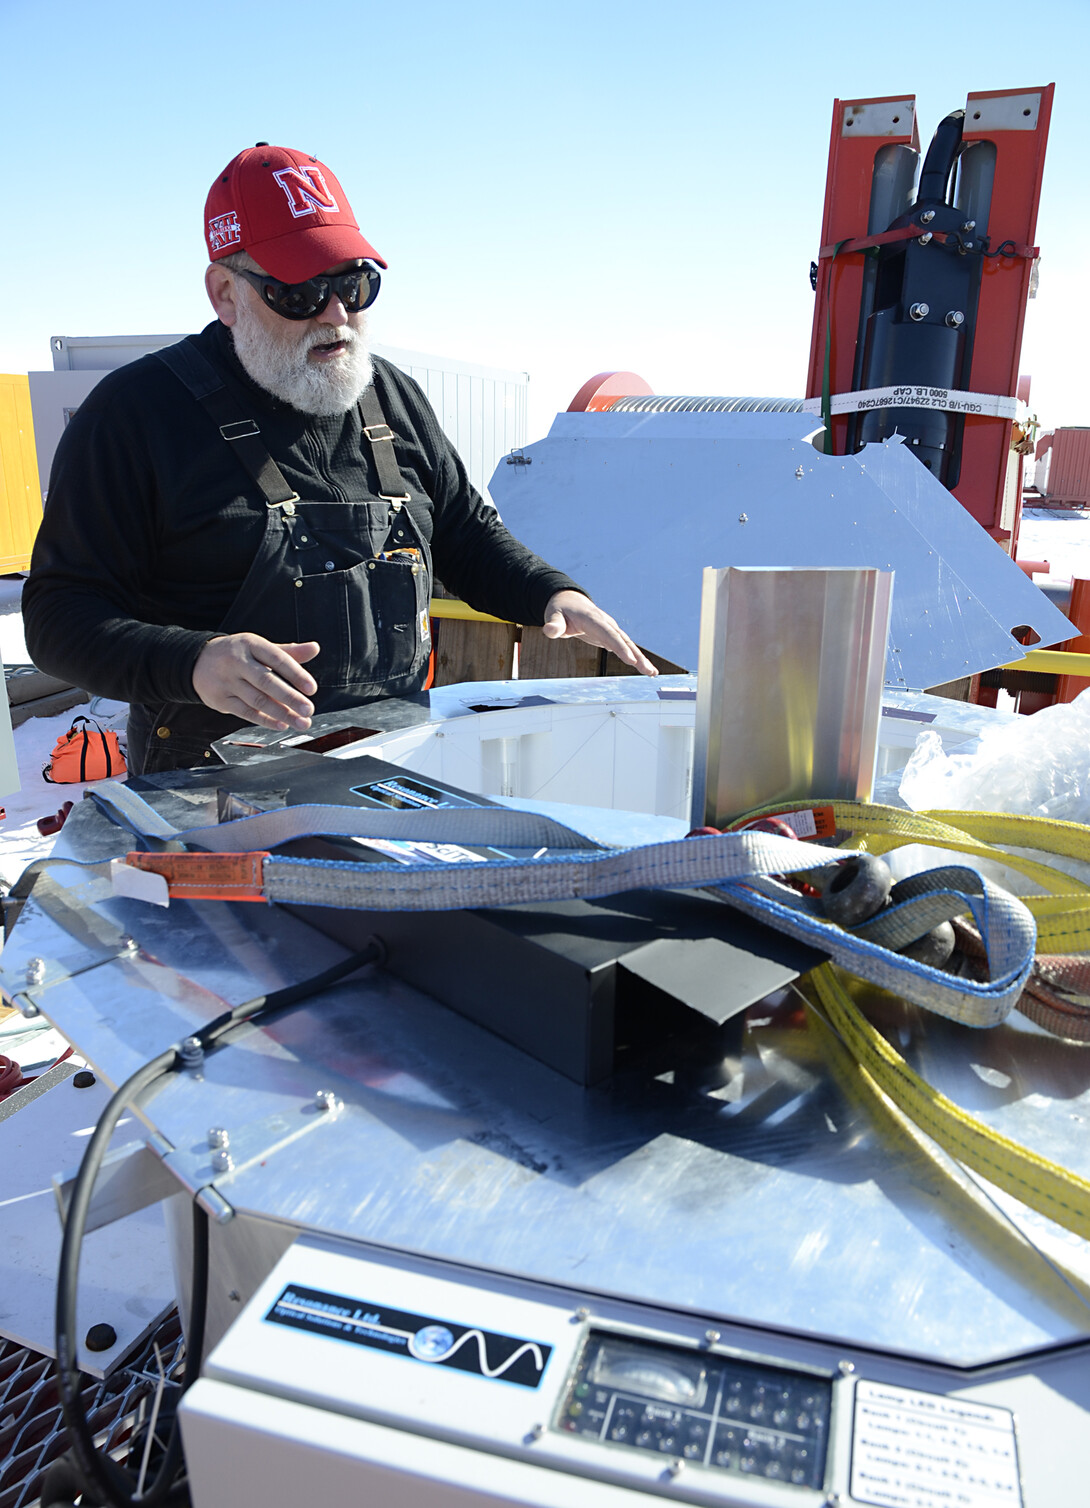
[250,677]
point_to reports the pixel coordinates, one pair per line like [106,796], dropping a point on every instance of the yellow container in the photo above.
[20,489]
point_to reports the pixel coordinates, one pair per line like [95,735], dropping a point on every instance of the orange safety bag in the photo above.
[84,753]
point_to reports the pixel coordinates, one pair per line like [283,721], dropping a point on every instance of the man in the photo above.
[242,528]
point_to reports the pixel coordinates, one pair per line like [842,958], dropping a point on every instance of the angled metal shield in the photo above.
[636,505]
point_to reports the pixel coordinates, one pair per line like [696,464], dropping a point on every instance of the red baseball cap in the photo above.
[287,210]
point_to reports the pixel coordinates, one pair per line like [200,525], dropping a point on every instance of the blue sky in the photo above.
[557,189]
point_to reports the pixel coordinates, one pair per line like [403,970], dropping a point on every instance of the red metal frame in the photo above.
[1004,287]
[1069,686]
[1001,313]
[840,280]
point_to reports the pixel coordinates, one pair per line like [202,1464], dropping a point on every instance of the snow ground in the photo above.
[35,1045]
[20,841]
[1058,536]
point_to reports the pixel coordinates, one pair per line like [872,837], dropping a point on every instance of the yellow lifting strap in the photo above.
[1042,1185]
[1062,914]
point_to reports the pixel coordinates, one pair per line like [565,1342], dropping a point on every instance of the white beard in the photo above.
[279,363]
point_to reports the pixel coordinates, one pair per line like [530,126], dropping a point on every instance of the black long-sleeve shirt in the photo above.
[151,521]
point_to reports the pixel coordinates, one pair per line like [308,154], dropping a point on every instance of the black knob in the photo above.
[100,1338]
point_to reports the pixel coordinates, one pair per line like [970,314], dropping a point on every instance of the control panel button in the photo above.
[713,1411]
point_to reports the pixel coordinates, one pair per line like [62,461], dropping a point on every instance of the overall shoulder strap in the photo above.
[391,484]
[197,374]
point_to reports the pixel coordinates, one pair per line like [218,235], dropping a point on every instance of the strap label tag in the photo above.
[810,822]
[948,400]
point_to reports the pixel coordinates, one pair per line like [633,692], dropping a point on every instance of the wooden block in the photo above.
[541,658]
[473,651]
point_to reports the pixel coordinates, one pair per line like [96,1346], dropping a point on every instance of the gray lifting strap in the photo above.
[740,866]
[488,825]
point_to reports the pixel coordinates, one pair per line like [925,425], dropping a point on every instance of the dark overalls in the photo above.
[354,576]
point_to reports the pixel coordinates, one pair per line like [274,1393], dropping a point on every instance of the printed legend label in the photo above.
[921,1450]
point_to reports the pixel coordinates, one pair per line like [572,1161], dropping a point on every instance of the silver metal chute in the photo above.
[789,689]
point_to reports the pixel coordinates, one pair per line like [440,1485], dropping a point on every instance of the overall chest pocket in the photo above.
[368,611]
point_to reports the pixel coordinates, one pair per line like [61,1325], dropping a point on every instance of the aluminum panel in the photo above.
[1002,112]
[884,117]
[747,1188]
[125,1274]
[983,566]
[636,505]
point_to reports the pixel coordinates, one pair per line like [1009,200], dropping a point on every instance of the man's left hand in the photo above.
[570,615]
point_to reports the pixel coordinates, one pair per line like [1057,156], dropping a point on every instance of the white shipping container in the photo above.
[483,410]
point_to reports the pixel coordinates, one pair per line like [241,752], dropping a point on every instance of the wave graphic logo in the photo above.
[435,1343]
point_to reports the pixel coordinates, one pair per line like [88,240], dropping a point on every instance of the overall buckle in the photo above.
[288,504]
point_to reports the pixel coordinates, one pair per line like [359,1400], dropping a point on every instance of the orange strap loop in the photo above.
[207,876]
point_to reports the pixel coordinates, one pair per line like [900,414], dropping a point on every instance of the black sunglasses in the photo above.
[356,290]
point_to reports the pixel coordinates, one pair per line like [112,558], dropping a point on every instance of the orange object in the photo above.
[206,876]
[85,752]
[603,390]
[1001,313]
[1069,686]
[47,826]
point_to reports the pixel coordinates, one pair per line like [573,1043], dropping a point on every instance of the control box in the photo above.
[354,1375]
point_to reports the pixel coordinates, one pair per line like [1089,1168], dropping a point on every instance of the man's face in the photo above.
[318,365]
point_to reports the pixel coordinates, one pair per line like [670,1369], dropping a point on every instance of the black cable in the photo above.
[103,1474]
[279,1000]
[63,1483]
[198,1301]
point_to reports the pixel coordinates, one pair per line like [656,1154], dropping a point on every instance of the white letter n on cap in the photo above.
[306,191]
